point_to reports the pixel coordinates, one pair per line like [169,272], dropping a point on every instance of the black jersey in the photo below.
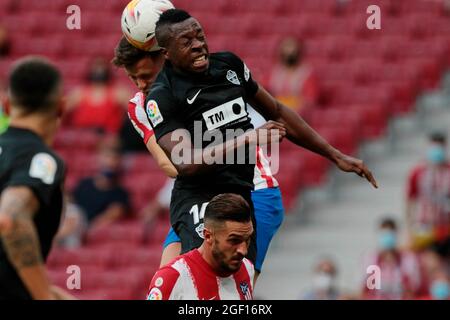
[217,100]
[26,161]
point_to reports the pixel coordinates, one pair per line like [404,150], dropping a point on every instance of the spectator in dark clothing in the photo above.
[101,197]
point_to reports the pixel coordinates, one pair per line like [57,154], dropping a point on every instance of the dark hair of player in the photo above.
[168,18]
[127,55]
[227,207]
[33,82]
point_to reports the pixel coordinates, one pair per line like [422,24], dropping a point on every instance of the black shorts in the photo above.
[187,208]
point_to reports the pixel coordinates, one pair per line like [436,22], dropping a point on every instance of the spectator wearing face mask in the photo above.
[428,199]
[99,104]
[292,81]
[439,287]
[101,197]
[400,272]
[324,282]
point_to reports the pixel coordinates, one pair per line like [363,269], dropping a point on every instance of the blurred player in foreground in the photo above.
[218,269]
[31,181]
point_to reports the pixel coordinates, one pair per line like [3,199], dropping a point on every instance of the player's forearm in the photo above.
[161,159]
[206,160]
[300,133]
[21,245]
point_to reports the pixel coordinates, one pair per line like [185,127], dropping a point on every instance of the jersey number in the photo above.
[196,214]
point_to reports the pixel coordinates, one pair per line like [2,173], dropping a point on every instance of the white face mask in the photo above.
[323,281]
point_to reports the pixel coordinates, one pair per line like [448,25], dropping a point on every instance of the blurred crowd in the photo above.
[418,267]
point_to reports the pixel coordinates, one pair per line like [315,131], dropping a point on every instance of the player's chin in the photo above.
[200,66]
[235,265]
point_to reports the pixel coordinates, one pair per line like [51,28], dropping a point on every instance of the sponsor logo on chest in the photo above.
[225,113]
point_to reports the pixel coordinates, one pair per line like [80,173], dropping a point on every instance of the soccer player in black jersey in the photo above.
[31,181]
[196,87]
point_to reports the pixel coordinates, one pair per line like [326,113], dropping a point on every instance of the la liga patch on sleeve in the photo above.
[153,113]
[155,294]
[43,166]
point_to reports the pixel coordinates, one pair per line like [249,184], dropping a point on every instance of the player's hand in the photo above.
[349,164]
[269,132]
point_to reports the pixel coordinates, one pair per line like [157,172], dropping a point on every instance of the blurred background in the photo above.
[382,94]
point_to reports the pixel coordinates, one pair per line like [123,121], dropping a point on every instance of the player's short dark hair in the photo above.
[227,207]
[388,223]
[438,136]
[126,55]
[168,18]
[32,84]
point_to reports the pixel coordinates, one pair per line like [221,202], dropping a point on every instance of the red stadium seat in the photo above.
[131,234]
[37,46]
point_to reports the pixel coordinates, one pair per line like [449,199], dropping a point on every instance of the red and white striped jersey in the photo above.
[263,177]
[189,277]
[138,116]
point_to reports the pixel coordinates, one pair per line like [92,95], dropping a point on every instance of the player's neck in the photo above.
[38,124]
[208,257]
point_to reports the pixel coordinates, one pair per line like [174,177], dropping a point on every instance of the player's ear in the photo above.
[207,235]
[165,53]
[6,106]
[62,103]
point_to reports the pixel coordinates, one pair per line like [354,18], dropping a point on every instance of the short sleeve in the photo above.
[40,171]
[250,85]
[163,284]
[161,109]
[138,117]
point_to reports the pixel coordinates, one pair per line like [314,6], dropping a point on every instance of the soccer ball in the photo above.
[139,20]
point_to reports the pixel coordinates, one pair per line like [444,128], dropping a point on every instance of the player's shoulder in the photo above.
[20,145]
[226,57]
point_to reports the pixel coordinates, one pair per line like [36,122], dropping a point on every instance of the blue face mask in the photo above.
[440,290]
[436,154]
[387,240]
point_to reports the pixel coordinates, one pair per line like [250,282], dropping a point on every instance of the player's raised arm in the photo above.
[300,133]
[197,163]
[20,239]
[137,116]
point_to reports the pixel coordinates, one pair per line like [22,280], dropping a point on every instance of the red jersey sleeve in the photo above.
[163,283]
[138,117]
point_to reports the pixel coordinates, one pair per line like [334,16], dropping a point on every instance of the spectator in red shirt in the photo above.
[99,104]
[292,81]
[428,199]
[400,270]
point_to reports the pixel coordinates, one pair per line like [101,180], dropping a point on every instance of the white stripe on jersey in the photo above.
[185,287]
[263,177]
[227,289]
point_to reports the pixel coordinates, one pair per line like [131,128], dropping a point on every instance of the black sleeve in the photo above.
[250,85]
[40,171]
[161,109]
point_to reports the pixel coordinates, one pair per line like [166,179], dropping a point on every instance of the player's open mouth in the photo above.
[201,61]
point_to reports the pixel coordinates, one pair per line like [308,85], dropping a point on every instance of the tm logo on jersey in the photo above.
[225,113]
